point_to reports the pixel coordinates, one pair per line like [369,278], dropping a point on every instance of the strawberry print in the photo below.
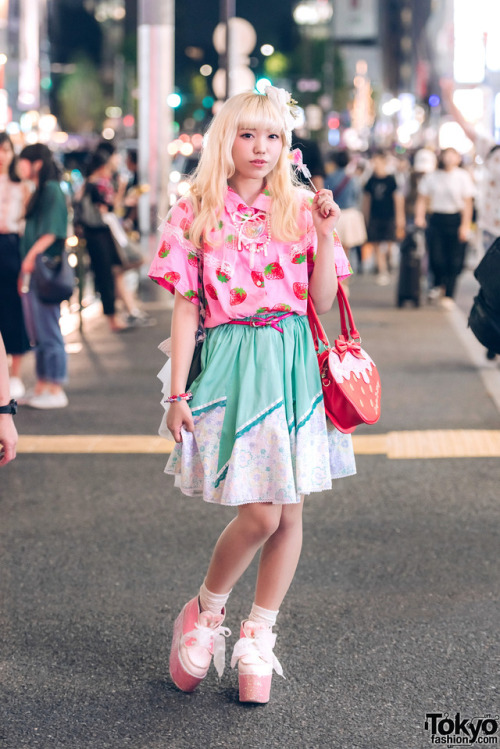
[211,291]
[278,282]
[298,255]
[164,249]
[172,277]
[274,272]
[222,276]
[258,278]
[281,307]
[300,290]
[237,296]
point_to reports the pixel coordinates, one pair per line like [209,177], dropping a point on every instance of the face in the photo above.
[6,156]
[380,165]
[256,152]
[450,158]
[24,169]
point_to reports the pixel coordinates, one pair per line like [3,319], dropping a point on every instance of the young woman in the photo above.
[446,196]
[13,198]
[252,432]
[45,232]
[383,206]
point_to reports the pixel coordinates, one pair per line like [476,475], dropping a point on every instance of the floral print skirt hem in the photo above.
[260,430]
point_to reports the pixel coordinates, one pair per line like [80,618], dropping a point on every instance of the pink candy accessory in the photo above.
[198,636]
[255,658]
[296,158]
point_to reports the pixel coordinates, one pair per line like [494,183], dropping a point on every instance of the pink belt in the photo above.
[261,322]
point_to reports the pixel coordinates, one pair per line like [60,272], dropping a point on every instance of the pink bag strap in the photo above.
[317,330]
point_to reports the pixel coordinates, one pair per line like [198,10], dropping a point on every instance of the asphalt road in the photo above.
[394,612]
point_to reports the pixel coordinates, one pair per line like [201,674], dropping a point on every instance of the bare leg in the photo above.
[380,249]
[279,559]
[124,293]
[239,542]
[15,368]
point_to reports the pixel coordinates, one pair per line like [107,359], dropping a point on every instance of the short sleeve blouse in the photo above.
[50,217]
[238,281]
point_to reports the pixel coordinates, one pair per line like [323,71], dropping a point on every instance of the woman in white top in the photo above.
[13,198]
[445,196]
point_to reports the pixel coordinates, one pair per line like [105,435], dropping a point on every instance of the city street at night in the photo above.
[168,167]
[393,613]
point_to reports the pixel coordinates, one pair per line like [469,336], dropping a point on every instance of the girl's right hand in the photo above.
[179,415]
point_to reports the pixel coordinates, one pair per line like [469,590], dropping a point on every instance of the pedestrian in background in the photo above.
[383,208]
[14,196]
[131,195]
[444,205]
[99,198]
[45,232]
[8,432]
[424,162]
[252,431]
[345,185]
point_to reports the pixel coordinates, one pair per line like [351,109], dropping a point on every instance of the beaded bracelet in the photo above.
[182,397]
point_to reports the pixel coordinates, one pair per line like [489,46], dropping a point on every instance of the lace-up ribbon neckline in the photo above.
[254,230]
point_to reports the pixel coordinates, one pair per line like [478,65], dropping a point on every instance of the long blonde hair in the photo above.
[216,166]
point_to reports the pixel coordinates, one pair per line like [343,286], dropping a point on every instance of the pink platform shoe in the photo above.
[198,636]
[255,658]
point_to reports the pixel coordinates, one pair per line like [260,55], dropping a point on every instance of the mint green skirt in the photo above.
[260,431]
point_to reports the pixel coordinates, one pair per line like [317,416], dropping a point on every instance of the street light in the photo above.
[312,12]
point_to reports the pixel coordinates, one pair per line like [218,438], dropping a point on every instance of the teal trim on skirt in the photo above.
[260,428]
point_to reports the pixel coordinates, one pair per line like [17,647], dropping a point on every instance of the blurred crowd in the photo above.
[39,211]
[412,218]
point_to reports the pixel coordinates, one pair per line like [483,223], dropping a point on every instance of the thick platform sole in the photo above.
[182,679]
[254,688]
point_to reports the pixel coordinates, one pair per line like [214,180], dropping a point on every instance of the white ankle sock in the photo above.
[214,602]
[265,616]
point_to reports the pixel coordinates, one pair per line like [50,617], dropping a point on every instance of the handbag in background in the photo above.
[128,251]
[349,377]
[54,278]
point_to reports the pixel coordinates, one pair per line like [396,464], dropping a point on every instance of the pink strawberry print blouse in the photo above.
[245,271]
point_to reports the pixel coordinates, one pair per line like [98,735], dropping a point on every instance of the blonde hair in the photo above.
[216,166]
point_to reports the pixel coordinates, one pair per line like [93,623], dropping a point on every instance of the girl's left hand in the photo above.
[325,212]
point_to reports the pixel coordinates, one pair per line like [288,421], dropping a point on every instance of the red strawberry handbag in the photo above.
[349,377]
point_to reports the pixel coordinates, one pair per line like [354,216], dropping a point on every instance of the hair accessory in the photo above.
[182,397]
[296,158]
[287,106]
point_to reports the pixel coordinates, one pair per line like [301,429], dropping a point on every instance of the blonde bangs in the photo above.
[258,112]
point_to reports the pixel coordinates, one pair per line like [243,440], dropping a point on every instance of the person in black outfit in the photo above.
[384,213]
[13,199]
